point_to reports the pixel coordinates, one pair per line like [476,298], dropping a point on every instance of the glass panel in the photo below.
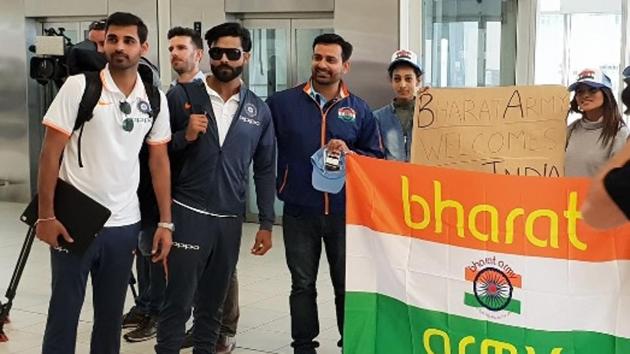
[304,50]
[588,48]
[550,50]
[267,69]
[549,5]
[493,53]
[265,74]
[463,42]
[574,35]
[71,30]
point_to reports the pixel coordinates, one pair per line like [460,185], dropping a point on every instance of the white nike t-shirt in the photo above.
[110,143]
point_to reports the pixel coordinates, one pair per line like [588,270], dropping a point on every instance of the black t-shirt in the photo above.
[617,184]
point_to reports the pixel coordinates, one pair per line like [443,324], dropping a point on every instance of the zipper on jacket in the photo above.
[324,114]
[284,180]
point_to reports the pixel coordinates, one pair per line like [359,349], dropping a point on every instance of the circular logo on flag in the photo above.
[250,110]
[493,289]
[144,107]
[127,124]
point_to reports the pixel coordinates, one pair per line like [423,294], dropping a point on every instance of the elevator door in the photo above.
[281,52]
[281,58]
[469,43]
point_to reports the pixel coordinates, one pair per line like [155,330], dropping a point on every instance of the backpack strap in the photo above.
[199,100]
[197,97]
[148,204]
[91,95]
[153,92]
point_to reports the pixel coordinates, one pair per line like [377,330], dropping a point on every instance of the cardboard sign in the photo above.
[516,130]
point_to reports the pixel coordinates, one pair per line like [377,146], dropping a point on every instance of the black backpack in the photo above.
[92,93]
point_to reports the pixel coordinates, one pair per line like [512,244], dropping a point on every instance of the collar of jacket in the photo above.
[242,91]
[343,89]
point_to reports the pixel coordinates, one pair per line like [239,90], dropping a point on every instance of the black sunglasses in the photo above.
[125,107]
[97,25]
[216,53]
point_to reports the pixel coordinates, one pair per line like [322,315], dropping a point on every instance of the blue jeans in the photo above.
[303,236]
[108,261]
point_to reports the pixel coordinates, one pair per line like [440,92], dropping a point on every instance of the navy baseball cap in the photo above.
[626,72]
[592,77]
[325,180]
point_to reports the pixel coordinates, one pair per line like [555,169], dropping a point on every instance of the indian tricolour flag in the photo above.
[445,261]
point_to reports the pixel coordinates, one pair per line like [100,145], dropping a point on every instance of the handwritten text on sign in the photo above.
[517,130]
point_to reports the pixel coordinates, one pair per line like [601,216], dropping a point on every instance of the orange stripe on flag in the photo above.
[528,216]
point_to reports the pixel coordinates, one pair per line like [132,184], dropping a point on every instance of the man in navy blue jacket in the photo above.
[320,113]
[213,144]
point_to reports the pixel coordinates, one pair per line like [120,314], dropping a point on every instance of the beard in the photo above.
[120,61]
[182,67]
[324,77]
[226,73]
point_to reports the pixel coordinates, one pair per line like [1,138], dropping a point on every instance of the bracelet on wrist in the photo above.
[52,218]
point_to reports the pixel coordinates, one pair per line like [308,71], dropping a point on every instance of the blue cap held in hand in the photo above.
[325,179]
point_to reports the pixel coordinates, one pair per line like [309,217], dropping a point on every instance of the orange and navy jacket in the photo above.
[302,127]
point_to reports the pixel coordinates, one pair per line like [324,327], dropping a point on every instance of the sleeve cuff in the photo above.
[50,124]
[179,140]
[266,225]
[159,142]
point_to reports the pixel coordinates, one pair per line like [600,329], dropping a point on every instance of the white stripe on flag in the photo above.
[556,295]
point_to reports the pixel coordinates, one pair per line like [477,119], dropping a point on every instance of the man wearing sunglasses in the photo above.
[103,164]
[608,201]
[214,141]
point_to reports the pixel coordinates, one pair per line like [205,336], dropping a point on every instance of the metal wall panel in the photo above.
[209,12]
[35,108]
[48,8]
[373,32]
[14,159]
[147,10]
[271,6]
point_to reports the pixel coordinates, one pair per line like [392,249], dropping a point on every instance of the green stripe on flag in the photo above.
[514,306]
[378,324]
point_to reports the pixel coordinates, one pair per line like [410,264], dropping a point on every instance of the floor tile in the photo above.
[264,284]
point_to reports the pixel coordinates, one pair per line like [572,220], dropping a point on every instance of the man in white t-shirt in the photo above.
[106,168]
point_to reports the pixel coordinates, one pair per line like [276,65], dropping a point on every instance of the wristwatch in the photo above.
[167,225]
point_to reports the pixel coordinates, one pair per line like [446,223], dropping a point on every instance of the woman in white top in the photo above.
[600,132]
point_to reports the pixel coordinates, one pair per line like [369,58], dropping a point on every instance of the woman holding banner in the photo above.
[608,202]
[600,132]
[395,120]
